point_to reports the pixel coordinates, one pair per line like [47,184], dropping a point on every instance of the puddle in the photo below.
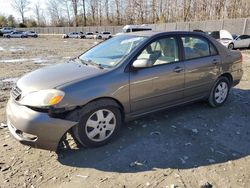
[39,60]
[13,60]
[8,83]
[16,48]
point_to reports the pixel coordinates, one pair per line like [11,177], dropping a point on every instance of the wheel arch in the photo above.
[228,76]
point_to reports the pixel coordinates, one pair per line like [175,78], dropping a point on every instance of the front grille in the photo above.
[16,93]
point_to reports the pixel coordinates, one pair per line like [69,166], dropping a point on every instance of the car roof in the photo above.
[154,33]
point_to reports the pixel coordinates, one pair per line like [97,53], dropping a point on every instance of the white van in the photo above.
[136,28]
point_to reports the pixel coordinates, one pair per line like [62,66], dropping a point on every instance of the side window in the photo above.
[161,51]
[195,47]
[213,51]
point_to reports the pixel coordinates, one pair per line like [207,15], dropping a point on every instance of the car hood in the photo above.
[53,76]
[225,35]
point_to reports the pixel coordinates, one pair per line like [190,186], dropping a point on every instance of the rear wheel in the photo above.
[219,93]
[100,122]
[231,46]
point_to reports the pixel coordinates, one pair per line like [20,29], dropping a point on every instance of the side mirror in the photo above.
[142,63]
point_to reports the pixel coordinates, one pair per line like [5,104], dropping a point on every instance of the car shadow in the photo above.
[184,137]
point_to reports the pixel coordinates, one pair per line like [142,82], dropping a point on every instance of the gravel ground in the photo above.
[182,147]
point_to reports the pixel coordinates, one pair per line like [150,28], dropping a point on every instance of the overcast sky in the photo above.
[6,8]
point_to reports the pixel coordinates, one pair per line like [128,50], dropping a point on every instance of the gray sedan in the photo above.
[120,79]
[16,34]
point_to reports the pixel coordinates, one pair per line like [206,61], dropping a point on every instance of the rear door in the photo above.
[202,62]
[242,41]
[163,83]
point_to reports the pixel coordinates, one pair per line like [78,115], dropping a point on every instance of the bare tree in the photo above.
[84,12]
[37,11]
[21,6]
[55,12]
[66,8]
[75,10]
[119,12]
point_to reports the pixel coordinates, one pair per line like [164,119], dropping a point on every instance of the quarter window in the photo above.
[213,51]
[195,47]
[161,51]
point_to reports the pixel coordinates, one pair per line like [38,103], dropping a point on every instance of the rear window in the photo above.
[140,29]
[195,47]
[214,34]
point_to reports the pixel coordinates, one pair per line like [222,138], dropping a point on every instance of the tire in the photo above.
[8,36]
[99,37]
[93,130]
[220,92]
[231,46]
[35,36]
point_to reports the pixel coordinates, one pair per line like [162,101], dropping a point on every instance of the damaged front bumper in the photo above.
[36,129]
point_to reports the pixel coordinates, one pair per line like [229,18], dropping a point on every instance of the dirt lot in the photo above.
[183,147]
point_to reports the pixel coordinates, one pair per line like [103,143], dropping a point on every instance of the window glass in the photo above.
[213,51]
[161,51]
[244,37]
[195,47]
[113,51]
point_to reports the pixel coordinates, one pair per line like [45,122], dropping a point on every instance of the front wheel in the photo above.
[231,46]
[99,123]
[219,93]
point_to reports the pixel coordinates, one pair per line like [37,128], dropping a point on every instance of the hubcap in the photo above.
[221,92]
[100,125]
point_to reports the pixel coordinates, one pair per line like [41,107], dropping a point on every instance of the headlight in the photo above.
[43,98]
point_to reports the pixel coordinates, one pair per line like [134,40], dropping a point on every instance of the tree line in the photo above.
[121,12]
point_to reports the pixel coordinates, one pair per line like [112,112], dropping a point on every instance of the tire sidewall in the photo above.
[231,46]
[212,95]
[80,130]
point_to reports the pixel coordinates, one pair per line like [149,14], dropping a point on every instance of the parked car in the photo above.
[31,34]
[16,34]
[134,28]
[118,80]
[73,35]
[5,30]
[241,41]
[88,35]
[223,36]
[104,35]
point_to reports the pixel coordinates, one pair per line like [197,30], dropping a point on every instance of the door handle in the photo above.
[178,69]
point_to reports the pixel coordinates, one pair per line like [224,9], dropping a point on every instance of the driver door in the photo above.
[161,84]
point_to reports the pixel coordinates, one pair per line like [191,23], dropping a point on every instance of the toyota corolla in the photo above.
[118,80]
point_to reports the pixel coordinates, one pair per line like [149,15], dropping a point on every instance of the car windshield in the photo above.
[214,34]
[111,52]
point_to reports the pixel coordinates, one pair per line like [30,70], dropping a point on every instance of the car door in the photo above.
[15,35]
[202,62]
[161,84]
[242,41]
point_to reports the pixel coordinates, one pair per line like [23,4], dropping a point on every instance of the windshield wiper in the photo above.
[90,62]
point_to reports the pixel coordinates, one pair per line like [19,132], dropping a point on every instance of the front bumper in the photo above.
[34,128]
